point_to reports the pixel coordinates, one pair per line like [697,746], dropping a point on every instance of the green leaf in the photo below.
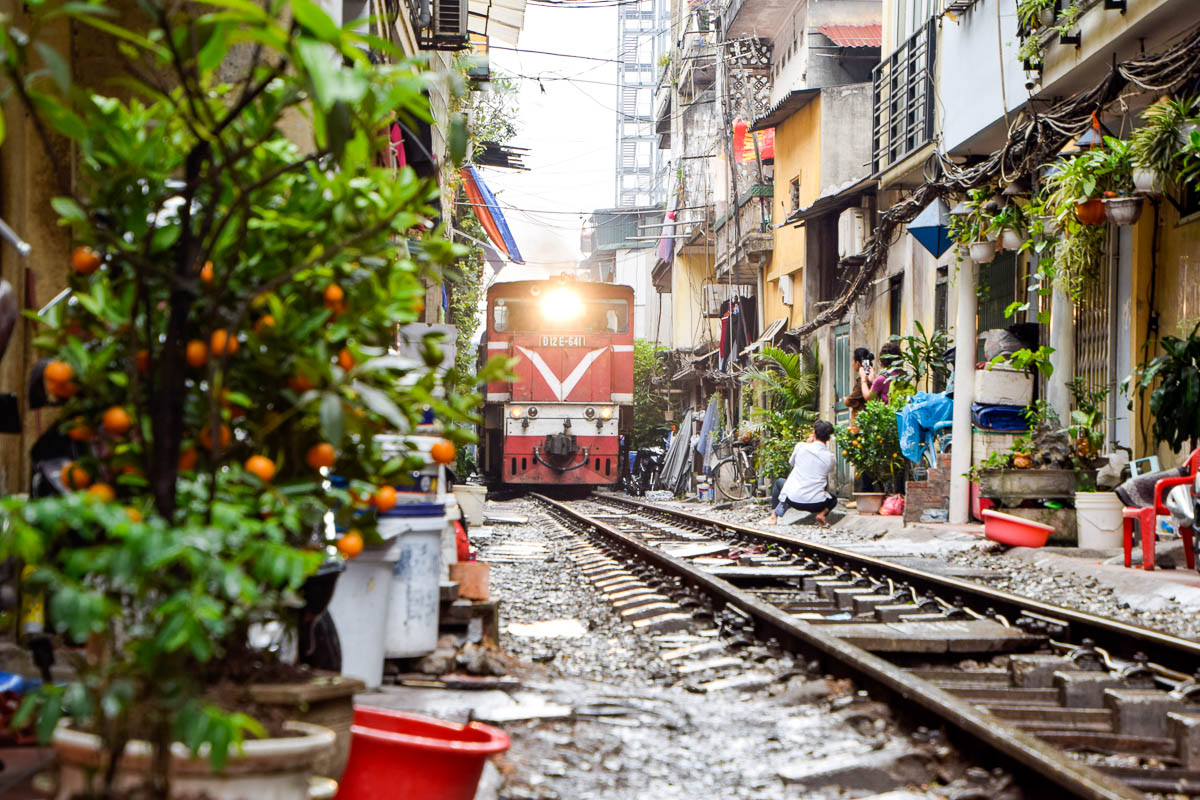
[456,139]
[333,422]
[55,64]
[61,118]
[381,404]
[311,17]
[68,209]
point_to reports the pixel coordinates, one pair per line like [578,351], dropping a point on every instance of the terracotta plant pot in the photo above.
[472,577]
[1022,461]
[326,700]
[1091,212]
[983,252]
[266,769]
[1011,239]
[1147,181]
[1123,210]
[868,502]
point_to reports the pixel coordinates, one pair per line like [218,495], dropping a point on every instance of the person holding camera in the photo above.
[862,370]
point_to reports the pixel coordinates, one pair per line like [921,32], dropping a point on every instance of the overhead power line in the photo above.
[561,55]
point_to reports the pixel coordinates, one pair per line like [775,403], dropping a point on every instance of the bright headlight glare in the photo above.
[561,303]
[515,412]
[606,412]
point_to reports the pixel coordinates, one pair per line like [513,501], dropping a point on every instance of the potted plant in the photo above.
[1155,146]
[1033,15]
[225,347]
[1010,226]
[1067,24]
[1022,453]
[1113,164]
[970,227]
[1172,378]
[872,444]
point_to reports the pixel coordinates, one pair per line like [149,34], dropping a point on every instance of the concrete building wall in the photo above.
[972,56]
[690,274]
[797,158]
[845,129]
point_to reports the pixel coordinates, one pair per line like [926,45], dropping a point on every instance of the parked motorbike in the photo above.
[643,476]
[1183,503]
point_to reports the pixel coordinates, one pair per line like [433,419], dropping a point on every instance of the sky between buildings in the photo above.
[568,122]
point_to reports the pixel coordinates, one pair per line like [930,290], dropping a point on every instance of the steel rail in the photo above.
[1014,746]
[1176,654]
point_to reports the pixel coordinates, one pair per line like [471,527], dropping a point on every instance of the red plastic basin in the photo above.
[399,756]
[1014,531]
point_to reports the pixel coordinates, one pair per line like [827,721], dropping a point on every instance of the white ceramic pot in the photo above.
[868,502]
[1147,181]
[1011,239]
[1098,518]
[1185,130]
[266,769]
[983,252]
[1123,210]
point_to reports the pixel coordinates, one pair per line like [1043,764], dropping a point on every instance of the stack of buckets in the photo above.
[385,604]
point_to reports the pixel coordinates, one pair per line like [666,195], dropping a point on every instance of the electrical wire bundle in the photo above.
[1033,140]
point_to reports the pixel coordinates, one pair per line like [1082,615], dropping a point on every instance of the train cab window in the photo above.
[587,316]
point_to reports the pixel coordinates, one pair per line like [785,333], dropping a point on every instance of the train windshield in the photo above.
[567,312]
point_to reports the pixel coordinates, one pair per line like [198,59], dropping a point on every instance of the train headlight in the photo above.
[606,412]
[561,304]
[515,412]
[589,412]
[532,412]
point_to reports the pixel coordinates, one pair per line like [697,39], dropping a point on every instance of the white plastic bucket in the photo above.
[412,612]
[1098,517]
[359,608]
[471,499]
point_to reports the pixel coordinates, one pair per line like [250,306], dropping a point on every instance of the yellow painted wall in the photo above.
[689,274]
[1176,297]
[797,154]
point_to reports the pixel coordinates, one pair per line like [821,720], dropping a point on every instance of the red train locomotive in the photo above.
[560,421]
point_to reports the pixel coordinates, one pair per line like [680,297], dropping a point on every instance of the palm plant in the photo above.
[921,356]
[789,384]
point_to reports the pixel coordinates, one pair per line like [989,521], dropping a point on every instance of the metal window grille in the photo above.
[1094,330]
[903,99]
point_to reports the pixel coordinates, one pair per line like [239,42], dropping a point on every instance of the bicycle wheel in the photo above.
[727,477]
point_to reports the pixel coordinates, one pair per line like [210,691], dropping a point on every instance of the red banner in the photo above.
[743,145]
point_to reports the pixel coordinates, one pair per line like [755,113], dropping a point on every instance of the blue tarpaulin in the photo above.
[488,212]
[917,419]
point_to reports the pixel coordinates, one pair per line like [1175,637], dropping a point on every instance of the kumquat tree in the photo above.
[225,346]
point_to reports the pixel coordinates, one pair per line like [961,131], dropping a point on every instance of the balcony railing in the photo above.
[903,102]
[744,257]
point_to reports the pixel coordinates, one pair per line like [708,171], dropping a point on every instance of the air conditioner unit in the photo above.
[447,29]
[852,232]
[785,289]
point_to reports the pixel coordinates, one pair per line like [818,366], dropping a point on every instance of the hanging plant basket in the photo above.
[1011,239]
[1123,210]
[983,252]
[1091,212]
[1147,182]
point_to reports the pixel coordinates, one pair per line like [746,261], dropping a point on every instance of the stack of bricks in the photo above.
[933,492]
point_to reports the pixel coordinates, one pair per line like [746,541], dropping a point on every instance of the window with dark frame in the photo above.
[794,193]
[895,287]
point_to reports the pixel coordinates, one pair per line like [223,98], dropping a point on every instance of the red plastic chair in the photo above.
[1147,519]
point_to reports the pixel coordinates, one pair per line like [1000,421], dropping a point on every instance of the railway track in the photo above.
[1082,705]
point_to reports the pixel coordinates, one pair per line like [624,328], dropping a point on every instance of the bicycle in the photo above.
[734,475]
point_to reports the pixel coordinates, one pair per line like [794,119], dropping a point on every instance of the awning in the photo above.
[789,105]
[835,199]
[500,20]
[768,336]
[487,211]
[854,35]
